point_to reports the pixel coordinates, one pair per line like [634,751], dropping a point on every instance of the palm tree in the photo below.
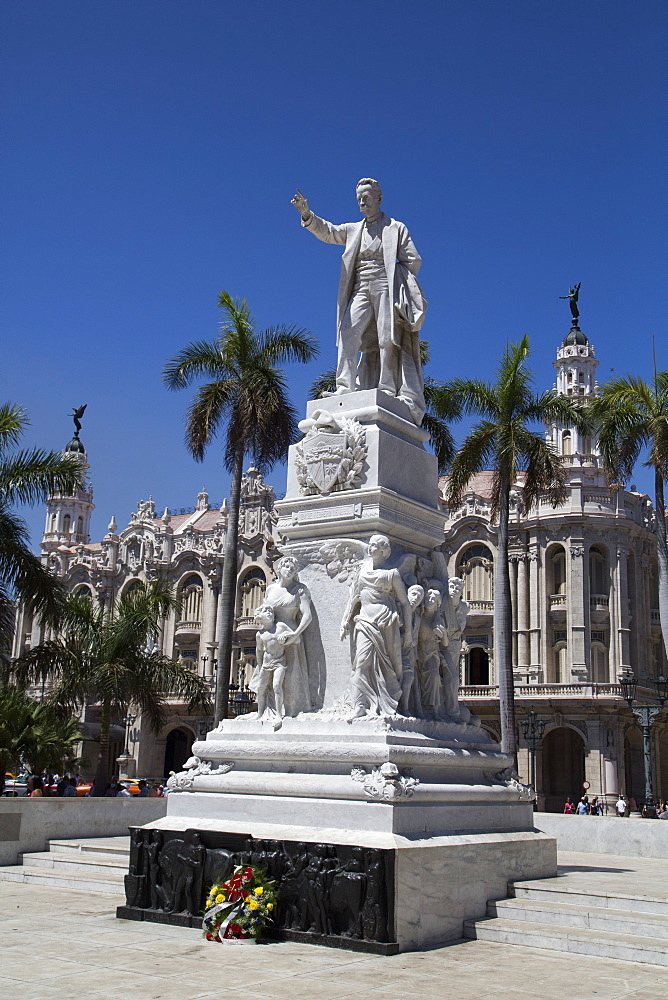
[104,657]
[27,477]
[35,734]
[248,393]
[630,416]
[504,442]
[440,436]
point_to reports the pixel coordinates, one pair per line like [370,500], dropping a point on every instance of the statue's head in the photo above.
[433,599]
[455,584]
[379,544]
[415,595]
[369,196]
[287,568]
[264,616]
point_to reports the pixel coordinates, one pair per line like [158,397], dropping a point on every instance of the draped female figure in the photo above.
[291,602]
[377,610]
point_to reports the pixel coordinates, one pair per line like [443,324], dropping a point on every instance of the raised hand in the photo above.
[301,204]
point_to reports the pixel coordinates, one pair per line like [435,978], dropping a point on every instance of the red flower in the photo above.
[248,874]
[235,896]
[209,937]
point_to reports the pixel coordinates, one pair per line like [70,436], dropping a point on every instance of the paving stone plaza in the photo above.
[83,951]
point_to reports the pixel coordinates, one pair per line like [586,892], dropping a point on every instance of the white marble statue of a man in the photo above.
[380,307]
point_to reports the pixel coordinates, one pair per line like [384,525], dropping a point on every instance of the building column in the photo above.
[623,598]
[577,616]
[522,613]
[209,616]
[512,560]
[535,591]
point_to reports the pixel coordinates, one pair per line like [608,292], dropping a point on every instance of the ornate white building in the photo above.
[185,548]
[585,610]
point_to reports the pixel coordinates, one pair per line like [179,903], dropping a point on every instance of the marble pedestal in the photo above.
[417,821]
[383,833]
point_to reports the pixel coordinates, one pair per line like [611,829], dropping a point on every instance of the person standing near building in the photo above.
[620,806]
[583,806]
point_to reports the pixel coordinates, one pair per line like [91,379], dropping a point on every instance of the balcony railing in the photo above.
[557,601]
[187,628]
[482,605]
[592,690]
[599,601]
[655,617]
[246,621]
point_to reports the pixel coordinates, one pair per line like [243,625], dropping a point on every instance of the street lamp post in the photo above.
[532,731]
[128,721]
[645,714]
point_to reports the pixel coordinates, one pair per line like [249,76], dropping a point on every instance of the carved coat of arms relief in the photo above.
[331,455]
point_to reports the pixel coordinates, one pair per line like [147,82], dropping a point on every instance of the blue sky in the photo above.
[151,148]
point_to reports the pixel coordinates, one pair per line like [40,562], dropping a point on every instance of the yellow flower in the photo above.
[220,898]
[253,904]
[270,906]
[259,891]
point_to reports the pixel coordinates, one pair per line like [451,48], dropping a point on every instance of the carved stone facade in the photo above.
[584,588]
[186,548]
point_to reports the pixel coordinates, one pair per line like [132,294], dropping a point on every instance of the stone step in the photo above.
[88,882]
[92,845]
[543,890]
[622,921]
[578,941]
[90,863]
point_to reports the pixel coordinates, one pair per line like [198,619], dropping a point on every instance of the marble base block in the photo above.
[362,890]
[396,492]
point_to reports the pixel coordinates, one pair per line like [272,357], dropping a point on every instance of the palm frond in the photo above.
[475,455]
[280,344]
[213,402]
[324,384]
[13,422]
[28,477]
[198,359]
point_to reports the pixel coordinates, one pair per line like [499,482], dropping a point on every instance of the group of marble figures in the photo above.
[404,625]
[322,888]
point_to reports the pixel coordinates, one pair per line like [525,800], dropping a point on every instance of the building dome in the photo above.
[75,447]
[575,336]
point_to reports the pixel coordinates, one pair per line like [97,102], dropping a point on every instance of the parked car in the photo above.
[15,786]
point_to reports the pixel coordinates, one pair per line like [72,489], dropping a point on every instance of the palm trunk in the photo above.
[102,771]
[662,555]
[229,591]
[503,624]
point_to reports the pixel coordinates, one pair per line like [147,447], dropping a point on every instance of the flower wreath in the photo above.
[239,907]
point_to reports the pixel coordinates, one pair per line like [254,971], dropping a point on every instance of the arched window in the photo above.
[66,523]
[559,572]
[599,663]
[586,445]
[598,574]
[83,590]
[251,591]
[191,598]
[566,444]
[80,526]
[475,567]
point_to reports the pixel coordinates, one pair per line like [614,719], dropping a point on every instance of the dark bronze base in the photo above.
[328,894]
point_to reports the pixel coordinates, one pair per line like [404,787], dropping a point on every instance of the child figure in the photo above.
[271,663]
